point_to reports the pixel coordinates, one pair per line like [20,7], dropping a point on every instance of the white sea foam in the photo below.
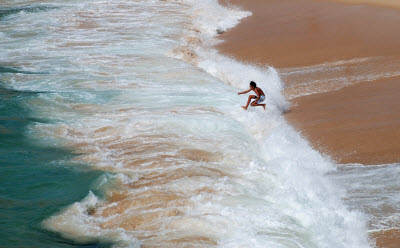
[75,222]
[115,95]
[338,74]
[379,198]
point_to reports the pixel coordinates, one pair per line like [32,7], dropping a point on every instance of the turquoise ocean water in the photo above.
[34,180]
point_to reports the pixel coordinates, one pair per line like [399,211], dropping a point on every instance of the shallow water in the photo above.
[339,74]
[374,190]
[134,91]
[34,180]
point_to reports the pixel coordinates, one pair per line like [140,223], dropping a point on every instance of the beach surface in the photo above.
[324,46]
[340,63]
[291,33]
[385,3]
[356,124]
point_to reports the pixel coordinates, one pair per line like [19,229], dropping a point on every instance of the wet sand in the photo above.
[304,33]
[356,124]
[329,47]
[385,3]
[387,239]
[288,33]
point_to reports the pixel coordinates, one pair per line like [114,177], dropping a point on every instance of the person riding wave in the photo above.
[260,96]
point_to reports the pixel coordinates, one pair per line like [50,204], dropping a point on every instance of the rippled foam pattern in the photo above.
[136,90]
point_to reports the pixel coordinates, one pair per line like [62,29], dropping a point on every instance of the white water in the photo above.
[374,189]
[338,74]
[115,76]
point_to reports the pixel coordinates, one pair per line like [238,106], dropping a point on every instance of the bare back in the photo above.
[259,91]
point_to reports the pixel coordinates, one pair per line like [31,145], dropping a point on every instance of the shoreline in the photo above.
[351,124]
[310,32]
[311,63]
[385,3]
[316,45]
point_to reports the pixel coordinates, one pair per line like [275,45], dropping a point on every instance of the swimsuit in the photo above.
[262,98]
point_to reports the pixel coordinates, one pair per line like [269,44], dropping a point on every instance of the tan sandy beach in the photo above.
[385,3]
[290,33]
[311,33]
[341,66]
[356,124]
[387,239]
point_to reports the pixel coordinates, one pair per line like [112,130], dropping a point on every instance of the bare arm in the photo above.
[244,92]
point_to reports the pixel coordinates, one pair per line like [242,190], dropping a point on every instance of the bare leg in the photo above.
[248,102]
[256,104]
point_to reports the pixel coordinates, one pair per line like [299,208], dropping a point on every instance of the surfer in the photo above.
[260,96]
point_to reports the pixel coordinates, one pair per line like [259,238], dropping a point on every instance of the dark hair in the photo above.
[252,83]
